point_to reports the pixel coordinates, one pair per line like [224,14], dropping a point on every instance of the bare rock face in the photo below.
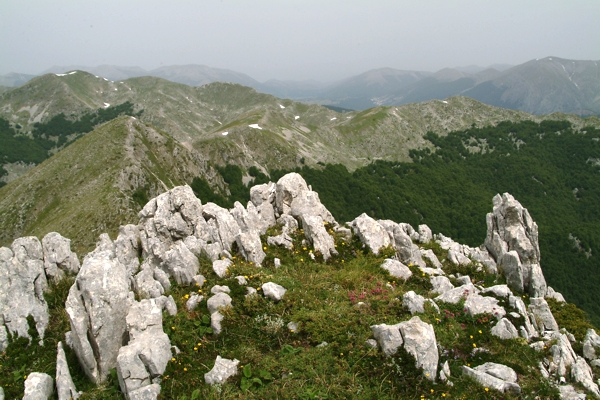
[222,370]
[64,383]
[180,263]
[420,342]
[543,316]
[495,376]
[401,238]
[287,189]
[58,257]
[308,203]
[250,246]
[38,386]
[396,269]
[97,305]
[143,361]
[222,222]
[316,233]
[591,345]
[128,248]
[22,285]
[512,239]
[370,232]
[582,373]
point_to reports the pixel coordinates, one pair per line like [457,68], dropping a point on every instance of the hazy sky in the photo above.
[287,39]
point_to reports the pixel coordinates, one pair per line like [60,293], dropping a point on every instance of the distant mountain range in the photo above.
[538,86]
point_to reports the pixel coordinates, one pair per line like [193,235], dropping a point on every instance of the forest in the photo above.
[52,134]
[551,168]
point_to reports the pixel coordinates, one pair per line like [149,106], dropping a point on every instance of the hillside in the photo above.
[92,186]
[299,308]
[291,133]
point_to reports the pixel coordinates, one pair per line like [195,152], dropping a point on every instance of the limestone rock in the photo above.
[220,267]
[413,302]
[193,301]
[145,357]
[425,235]
[261,194]
[445,372]
[441,284]
[476,304]
[97,305]
[430,255]
[552,294]
[220,289]
[499,371]
[64,383]
[457,258]
[388,337]
[38,386]
[145,285]
[498,291]
[591,343]
[222,370]
[463,280]
[315,232]
[149,392]
[582,373]
[419,341]
[491,381]
[568,392]
[128,248]
[58,257]
[563,356]
[281,240]
[287,189]
[224,224]
[167,304]
[504,329]
[370,233]
[215,322]
[543,316]
[396,269]
[454,295]
[308,203]
[217,301]
[22,285]
[510,229]
[273,291]
[250,246]
[181,263]
[400,238]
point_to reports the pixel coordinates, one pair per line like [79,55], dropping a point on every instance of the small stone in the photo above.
[323,344]
[292,326]
[277,262]
[215,322]
[396,269]
[220,289]
[38,386]
[222,370]
[193,301]
[273,291]
[241,280]
[372,343]
[217,301]
[220,267]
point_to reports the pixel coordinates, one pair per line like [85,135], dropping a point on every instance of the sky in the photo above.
[325,40]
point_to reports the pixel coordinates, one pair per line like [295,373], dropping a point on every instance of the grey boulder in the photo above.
[591,343]
[217,301]
[221,371]
[58,257]
[370,233]
[38,386]
[144,359]
[97,306]
[65,387]
[396,269]
[504,329]
[494,376]
[273,291]
[315,232]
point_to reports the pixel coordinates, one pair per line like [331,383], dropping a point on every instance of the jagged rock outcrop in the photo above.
[315,232]
[128,248]
[413,302]
[221,371]
[494,376]
[401,238]
[396,269]
[97,305]
[418,339]
[288,187]
[143,360]
[591,345]
[370,232]
[58,256]
[582,373]
[22,285]
[505,329]
[512,239]
[542,315]
[38,386]
[553,294]
[65,387]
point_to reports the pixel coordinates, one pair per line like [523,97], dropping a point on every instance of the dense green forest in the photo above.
[55,133]
[549,167]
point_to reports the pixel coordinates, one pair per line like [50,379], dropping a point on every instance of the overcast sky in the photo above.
[287,39]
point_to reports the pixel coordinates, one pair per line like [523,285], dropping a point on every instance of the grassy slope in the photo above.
[322,299]
[87,188]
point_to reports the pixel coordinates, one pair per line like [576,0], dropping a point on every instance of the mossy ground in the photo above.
[276,362]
